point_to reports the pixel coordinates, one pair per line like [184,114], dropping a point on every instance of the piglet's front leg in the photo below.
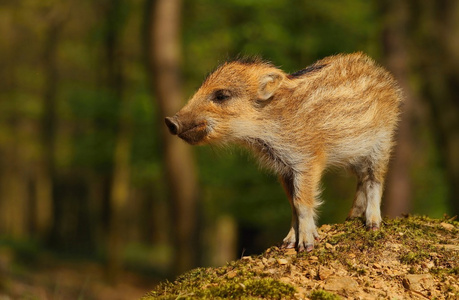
[303,231]
[307,230]
[302,190]
[289,241]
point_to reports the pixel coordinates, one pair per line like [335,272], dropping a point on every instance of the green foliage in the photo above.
[427,200]
[238,186]
[291,35]
[95,112]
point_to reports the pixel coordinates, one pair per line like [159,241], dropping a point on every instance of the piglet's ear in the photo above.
[268,85]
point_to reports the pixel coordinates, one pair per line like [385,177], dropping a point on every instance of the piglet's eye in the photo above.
[221,96]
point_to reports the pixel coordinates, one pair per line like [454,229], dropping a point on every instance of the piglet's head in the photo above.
[231,98]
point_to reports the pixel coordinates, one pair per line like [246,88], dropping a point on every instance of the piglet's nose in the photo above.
[172,124]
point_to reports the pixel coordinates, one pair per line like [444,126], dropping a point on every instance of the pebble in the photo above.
[324,273]
[282,261]
[377,285]
[271,271]
[428,265]
[285,280]
[340,283]
[231,274]
[325,227]
[377,266]
[418,282]
[290,251]
[447,226]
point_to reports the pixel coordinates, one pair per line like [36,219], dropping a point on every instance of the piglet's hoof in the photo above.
[372,227]
[288,245]
[305,248]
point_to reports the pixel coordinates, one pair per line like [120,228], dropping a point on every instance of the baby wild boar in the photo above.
[340,111]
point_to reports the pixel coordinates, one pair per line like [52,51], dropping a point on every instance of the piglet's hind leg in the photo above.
[360,202]
[373,212]
[291,238]
[373,184]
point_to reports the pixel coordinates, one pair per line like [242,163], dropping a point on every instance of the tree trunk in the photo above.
[13,181]
[398,195]
[225,241]
[442,87]
[14,205]
[120,185]
[180,172]
[119,196]
[45,174]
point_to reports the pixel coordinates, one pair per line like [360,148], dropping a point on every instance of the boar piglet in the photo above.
[341,111]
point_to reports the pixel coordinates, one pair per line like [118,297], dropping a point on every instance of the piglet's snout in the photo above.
[173,125]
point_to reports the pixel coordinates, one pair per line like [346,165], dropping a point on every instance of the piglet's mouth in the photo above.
[191,132]
[195,134]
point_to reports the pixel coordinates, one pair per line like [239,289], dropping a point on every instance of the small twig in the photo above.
[420,294]
[243,251]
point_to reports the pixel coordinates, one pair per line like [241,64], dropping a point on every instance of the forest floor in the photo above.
[46,276]
[409,258]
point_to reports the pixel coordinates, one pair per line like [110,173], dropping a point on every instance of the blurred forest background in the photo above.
[88,171]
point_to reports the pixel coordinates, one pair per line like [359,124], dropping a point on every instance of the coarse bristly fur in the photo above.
[341,111]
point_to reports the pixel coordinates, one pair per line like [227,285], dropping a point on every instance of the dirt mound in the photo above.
[409,258]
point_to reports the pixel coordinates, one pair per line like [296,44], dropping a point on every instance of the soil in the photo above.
[409,258]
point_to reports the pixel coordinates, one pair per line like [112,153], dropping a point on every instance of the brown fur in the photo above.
[341,111]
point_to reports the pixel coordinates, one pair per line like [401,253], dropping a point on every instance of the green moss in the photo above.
[199,284]
[260,288]
[413,257]
[323,295]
